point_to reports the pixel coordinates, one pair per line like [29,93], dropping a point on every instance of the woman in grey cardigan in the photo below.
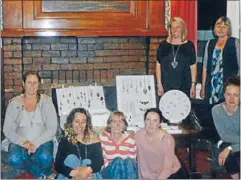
[30,125]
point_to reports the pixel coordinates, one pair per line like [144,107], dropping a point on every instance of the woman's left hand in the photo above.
[193,91]
[223,156]
[32,148]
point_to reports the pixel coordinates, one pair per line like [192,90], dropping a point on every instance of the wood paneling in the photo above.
[145,18]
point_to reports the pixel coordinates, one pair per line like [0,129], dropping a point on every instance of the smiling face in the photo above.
[117,125]
[79,123]
[232,96]
[176,29]
[31,84]
[221,30]
[152,122]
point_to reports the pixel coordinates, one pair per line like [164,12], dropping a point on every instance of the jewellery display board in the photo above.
[135,94]
[88,97]
[175,106]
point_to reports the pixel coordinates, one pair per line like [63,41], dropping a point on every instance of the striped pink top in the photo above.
[125,149]
[157,159]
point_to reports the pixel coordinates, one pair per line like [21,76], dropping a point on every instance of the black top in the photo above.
[94,153]
[180,77]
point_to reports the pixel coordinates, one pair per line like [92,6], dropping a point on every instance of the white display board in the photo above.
[88,97]
[135,94]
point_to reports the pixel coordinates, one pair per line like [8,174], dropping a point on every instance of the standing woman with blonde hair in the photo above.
[176,61]
[220,61]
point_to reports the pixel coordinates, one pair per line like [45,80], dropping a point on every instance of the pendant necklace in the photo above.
[174,62]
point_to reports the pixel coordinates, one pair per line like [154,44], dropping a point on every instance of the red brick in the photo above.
[32,67]
[17,68]
[69,75]
[12,75]
[103,76]
[18,88]
[75,75]
[111,46]
[13,61]
[51,66]
[62,75]
[102,66]
[154,40]
[137,52]
[8,68]
[18,82]
[12,47]
[112,59]
[119,65]
[90,75]
[41,60]
[7,41]
[8,82]
[17,40]
[154,46]
[27,60]
[7,54]
[17,54]
[97,76]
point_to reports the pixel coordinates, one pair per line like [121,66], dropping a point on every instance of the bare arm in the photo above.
[158,73]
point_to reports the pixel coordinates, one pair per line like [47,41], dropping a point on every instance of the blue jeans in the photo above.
[73,162]
[121,169]
[38,163]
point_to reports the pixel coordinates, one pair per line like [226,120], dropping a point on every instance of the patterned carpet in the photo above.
[203,165]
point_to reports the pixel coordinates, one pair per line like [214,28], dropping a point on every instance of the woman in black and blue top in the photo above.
[221,60]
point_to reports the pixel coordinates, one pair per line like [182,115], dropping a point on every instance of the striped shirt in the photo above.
[125,149]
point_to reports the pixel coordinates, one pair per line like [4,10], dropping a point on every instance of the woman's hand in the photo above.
[26,144]
[160,91]
[193,91]
[202,92]
[223,156]
[81,172]
[32,148]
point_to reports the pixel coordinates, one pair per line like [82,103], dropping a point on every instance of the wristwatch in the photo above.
[230,148]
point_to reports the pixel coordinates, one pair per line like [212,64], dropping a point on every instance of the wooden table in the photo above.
[186,139]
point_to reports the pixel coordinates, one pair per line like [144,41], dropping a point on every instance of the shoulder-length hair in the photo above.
[69,129]
[226,21]
[110,119]
[184,28]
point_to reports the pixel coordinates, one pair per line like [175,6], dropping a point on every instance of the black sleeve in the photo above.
[96,158]
[62,153]
[192,54]
[159,53]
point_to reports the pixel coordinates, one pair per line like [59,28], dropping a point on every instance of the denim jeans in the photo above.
[121,169]
[38,163]
[73,162]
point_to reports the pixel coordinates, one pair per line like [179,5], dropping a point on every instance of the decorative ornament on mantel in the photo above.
[167,12]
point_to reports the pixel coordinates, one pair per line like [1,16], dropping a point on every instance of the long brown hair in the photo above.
[39,81]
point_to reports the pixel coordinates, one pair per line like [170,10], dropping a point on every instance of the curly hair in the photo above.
[69,131]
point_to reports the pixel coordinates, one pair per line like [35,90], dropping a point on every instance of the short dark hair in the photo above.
[234,80]
[155,110]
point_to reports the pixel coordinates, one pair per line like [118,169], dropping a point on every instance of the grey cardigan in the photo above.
[14,115]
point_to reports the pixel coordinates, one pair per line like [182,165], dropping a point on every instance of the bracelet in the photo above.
[159,85]
[194,82]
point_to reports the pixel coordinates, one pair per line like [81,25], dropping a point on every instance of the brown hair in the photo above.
[110,119]
[39,81]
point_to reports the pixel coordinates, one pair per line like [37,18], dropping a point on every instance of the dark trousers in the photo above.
[182,173]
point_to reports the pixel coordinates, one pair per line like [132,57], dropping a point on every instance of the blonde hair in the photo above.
[110,119]
[226,21]
[184,28]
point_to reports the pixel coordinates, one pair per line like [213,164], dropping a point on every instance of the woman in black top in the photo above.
[176,61]
[79,154]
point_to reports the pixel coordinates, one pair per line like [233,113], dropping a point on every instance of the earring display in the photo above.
[88,97]
[135,94]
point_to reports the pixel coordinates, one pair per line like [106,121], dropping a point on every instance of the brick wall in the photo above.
[76,60]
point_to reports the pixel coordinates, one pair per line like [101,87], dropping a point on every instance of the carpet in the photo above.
[203,166]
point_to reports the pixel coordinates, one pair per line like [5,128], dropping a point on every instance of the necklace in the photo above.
[79,151]
[174,62]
